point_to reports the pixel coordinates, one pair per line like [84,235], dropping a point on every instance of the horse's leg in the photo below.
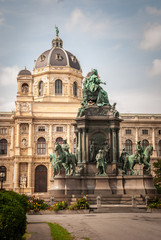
[131,165]
[146,163]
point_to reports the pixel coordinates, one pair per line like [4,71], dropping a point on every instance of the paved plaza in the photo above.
[105,226]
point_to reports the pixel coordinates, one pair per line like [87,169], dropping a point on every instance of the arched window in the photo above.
[3,146]
[41,88]
[58,87]
[159,149]
[25,88]
[75,89]
[128,146]
[59,140]
[145,143]
[41,146]
[4,170]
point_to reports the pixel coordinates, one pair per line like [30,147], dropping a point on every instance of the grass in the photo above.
[59,233]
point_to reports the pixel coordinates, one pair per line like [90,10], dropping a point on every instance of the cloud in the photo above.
[86,23]
[1,19]
[7,104]
[152,10]
[8,75]
[156,68]
[152,38]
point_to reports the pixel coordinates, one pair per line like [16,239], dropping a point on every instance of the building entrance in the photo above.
[41,179]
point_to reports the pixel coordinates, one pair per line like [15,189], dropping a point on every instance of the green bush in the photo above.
[12,215]
[59,206]
[36,204]
[81,203]
[155,202]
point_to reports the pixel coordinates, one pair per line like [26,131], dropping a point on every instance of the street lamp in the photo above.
[2,176]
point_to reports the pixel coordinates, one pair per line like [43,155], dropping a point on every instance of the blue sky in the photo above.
[120,38]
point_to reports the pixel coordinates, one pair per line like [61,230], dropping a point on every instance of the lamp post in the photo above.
[2,176]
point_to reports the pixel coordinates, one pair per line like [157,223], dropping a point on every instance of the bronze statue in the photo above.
[93,93]
[101,163]
[139,154]
[124,159]
[92,151]
[63,160]
[57,31]
[130,161]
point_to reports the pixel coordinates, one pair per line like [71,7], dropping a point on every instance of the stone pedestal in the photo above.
[101,185]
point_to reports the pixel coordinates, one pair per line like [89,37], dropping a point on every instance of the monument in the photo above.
[97,168]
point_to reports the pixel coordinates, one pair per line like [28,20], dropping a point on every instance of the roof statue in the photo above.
[57,31]
[93,92]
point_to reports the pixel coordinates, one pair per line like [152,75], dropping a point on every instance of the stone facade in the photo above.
[46,106]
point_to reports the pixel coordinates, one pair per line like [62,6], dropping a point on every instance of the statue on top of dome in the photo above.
[57,31]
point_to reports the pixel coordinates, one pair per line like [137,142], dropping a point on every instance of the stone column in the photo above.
[29,175]
[79,146]
[68,135]
[117,144]
[16,175]
[84,145]
[12,141]
[18,135]
[50,139]
[114,147]
[153,142]
[30,140]
[18,139]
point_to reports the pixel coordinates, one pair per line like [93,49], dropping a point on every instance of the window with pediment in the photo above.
[58,87]
[128,146]
[59,140]
[41,88]
[3,147]
[145,143]
[41,146]
[75,89]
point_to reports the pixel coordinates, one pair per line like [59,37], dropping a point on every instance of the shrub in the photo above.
[59,206]
[81,203]
[12,216]
[155,203]
[36,204]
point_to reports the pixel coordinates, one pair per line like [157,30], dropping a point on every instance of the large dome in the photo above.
[57,56]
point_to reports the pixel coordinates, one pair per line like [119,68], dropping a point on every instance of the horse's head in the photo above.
[148,150]
[57,146]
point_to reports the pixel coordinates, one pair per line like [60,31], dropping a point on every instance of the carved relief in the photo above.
[24,128]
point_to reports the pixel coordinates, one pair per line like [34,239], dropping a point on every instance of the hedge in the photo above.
[13,208]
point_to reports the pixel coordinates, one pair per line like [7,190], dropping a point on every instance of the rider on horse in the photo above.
[139,155]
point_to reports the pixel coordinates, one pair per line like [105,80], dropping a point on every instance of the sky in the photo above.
[120,38]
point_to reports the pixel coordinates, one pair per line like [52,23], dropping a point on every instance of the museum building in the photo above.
[46,107]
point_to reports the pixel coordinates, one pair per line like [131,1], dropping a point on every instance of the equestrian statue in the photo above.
[140,157]
[63,159]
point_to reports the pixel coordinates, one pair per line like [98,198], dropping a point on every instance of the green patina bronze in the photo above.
[140,157]
[93,93]
[63,159]
[57,31]
[101,163]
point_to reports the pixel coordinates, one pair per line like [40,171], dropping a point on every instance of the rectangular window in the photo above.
[159,132]
[3,130]
[41,128]
[59,129]
[145,131]
[128,131]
